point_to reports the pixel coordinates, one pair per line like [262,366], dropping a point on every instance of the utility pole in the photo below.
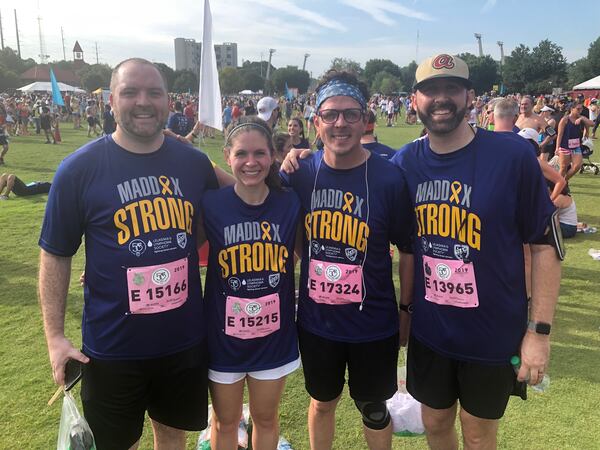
[501,45]
[62,36]
[417,50]
[478,37]
[17,30]
[261,61]
[1,32]
[97,60]
[43,56]
[271,51]
[306,55]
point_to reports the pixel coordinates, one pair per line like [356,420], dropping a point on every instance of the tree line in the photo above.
[539,70]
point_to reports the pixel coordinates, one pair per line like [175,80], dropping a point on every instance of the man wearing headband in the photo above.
[478,197]
[354,204]
[135,195]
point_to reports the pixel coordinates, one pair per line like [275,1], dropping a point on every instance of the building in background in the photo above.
[226,55]
[188,54]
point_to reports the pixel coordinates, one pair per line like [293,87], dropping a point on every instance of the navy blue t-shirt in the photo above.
[179,124]
[478,205]
[380,149]
[135,210]
[251,257]
[356,213]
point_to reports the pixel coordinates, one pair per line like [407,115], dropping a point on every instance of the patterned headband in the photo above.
[337,87]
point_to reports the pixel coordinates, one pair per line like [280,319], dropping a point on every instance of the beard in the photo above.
[444,126]
[143,131]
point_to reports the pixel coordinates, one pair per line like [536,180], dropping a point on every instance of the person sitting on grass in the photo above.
[9,182]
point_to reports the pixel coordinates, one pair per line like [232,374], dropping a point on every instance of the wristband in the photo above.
[406,308]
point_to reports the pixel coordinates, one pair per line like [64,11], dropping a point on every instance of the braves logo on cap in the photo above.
[443,62]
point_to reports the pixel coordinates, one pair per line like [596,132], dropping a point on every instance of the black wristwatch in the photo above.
[539,327]
[407,308]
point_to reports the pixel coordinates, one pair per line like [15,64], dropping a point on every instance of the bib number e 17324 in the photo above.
[334,283]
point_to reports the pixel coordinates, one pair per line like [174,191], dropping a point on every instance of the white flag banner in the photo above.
[209,110]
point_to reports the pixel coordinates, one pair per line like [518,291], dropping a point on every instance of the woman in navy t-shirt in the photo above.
[250,302]
[296,131]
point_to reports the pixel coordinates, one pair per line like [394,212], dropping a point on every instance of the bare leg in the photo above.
[478,434]
[321,423]
[167,438]
[378,439]
[264,408]
[439,427]
[577,160]
[227,409]
[564,161]
[3,179]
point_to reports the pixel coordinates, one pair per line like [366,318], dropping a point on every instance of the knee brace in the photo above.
[375,415]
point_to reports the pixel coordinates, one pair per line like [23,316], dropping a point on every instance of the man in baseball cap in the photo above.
[268,110]
[470,313]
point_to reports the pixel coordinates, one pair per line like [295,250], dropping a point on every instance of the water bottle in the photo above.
[283,444]
[542,386]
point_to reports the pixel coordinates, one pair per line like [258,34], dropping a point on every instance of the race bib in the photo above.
[574,143]
[450,282]
[334,283]
[249,318]
[155,289]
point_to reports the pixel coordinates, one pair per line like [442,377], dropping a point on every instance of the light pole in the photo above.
[501,45]
[478,37]
[271,51]
[306,55]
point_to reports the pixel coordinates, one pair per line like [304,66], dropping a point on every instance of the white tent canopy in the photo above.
[47,87]
[246,92]
[594,83]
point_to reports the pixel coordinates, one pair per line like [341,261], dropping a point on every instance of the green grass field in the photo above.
[566,417]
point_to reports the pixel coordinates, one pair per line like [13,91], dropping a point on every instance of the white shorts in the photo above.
[270,374]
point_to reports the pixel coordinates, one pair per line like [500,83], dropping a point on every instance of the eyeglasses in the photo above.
[489,111]
[351,115]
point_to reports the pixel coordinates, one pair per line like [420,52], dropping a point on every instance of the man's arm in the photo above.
[406,271]
[545,285]
[55,273]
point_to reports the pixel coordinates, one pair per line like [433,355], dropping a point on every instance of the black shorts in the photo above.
[91,121]
[3,140]
[372,367]
[437,381]
[116,394]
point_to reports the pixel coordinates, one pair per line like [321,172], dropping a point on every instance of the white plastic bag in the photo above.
[406,415]
[74,432]
[404,409]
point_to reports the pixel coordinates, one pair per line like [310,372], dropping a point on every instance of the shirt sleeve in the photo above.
[402,216]
[534,205]
[63,224]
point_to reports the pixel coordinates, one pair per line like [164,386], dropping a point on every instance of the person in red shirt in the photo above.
[236,112]
[190,112]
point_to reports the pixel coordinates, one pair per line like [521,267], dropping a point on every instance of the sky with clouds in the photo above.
[355,29]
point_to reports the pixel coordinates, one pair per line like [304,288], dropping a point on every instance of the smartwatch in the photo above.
[539,327]
[407,308]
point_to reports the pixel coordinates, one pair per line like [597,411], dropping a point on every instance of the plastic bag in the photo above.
[404,409]
[74,432]
[204,438]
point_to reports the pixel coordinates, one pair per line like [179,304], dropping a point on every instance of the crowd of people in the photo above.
[310,182]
